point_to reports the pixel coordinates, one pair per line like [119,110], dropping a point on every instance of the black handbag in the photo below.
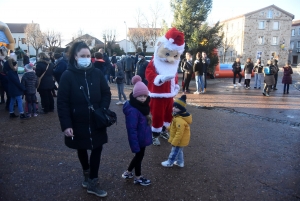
[104,117]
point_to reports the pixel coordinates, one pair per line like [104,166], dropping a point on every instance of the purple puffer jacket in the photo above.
[138,130]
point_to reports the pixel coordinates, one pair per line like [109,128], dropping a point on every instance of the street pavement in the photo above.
[244,146]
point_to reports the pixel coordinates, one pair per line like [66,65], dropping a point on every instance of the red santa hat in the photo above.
[173,40]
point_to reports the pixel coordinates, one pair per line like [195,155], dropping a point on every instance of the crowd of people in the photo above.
[268,72]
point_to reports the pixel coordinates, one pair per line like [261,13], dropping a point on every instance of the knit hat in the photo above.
[139,88]
[136,79]
[142,54]
[29,67]
[180,103]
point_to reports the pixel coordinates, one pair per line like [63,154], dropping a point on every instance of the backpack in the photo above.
[267,70]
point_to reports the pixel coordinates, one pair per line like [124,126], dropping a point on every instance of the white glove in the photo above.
[167,78]
[160,79]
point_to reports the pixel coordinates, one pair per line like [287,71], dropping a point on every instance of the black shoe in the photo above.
[275,89]
[287,92]
[23,116]
[254,87]
[12,115]
[284,92]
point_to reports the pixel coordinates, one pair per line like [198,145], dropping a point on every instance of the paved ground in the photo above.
[243,147]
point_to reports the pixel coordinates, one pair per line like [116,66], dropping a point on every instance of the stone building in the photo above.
[294,55]
[264,33]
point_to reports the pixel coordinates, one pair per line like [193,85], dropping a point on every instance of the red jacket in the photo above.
[161,86]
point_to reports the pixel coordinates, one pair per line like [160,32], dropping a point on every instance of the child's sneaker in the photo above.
[142,181]
[127,175]
[166,164]
[119,103]
[165,135]
[28,115]
[35,114]
[178,164]
[155,141]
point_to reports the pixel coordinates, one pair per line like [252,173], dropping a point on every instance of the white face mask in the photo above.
[84,62]
[139,58]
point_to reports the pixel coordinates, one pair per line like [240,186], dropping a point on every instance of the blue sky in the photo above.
[94,16]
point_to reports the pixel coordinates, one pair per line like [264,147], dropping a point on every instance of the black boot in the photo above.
[93,188]
[12,115]
[86,174]
[23,116]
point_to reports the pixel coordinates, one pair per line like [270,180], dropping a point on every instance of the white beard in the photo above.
[164,68]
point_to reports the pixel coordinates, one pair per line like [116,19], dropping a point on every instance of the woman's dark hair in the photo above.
[98,55]
[76,47]
[198,55]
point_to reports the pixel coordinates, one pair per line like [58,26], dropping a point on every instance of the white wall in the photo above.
[23,46]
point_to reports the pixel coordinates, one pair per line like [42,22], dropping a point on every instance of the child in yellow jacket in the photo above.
[179,133]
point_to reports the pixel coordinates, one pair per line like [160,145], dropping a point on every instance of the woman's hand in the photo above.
[69,132]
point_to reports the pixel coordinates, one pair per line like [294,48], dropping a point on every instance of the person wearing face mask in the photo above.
[75,116]
[44,70]
[141,66]
[187,66]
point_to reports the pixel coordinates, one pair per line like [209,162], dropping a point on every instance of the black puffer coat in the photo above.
[47,81]
[72,107]
[198,67]
[248,67]
[30,82]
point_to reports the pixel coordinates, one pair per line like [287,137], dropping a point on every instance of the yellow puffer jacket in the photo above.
[180,130]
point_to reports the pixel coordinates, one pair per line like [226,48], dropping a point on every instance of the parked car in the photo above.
[21,70]
[148,58]
[32,60]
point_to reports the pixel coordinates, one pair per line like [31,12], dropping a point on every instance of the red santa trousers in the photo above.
[161,111]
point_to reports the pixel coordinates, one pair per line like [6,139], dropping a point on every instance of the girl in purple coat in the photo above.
[287,78]
[138,124]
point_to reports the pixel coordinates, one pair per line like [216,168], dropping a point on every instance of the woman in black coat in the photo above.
[46,83]
[237,69]
[76,119]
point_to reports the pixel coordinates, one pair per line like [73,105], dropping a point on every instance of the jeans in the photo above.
[176,155]
[257,79]
[121,91]
[94,163]
[136,162]
[204,79]
[199,83]
[240,77]
[20,104]
[276,78]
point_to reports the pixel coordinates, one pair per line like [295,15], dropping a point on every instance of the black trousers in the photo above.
[276,78]
[128,76]
[93,164]
[240,76]
[287,87]
[187,80]
[2,95]
[136,162]
[247,82]
[47,100]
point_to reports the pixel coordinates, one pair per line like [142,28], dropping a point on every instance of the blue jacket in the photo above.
[59,68]
[15,88]
[138,131]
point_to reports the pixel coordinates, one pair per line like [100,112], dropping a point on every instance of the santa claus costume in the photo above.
[161,74]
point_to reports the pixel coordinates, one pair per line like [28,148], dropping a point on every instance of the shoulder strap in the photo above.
[87,99]
[44,72]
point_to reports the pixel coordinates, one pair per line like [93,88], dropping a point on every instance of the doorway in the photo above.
[295,60]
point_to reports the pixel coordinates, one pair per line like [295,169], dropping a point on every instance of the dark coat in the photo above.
[258,68]
[198,67]
[206,63]
[270,79]
[47,81]
[236,67]
[72,107]
[187,67]
[25,59]
[60,66]
[128,64]
[138,131]
[248,68]
[287,78]
[107,64]
[114,59]
[120,75]
[30,82]
[101,66]
[15,88]
[141,69]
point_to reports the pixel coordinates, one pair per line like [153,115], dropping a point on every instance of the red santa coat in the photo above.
[161,94]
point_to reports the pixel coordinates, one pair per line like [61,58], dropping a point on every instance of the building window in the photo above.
[23,40]
[299,32]
[293,32]
[261,25]
[15,40]
[231,53]
[274,40]
[298,44]
[261,40]
[221,53]
[270,14]
[151,43]
[292,45]
[275,25]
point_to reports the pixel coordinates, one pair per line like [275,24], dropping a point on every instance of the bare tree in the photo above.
[53,39]
[227,42]
[135,37]
[34,36]
[109,37]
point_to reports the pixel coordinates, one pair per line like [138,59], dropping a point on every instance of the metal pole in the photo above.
[126,36]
